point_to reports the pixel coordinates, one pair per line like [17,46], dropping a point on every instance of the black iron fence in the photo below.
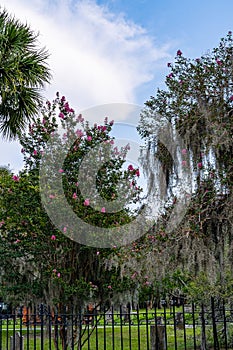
[170,327]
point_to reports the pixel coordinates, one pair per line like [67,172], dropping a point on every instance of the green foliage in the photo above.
[40,262]
[24,73]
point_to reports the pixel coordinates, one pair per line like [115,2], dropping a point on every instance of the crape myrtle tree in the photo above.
[197,104]
[23,73]
[40,263]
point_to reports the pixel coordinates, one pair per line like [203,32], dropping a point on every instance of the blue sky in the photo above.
[112,51]
[192,26]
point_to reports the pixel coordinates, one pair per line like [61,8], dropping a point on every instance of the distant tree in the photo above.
[198,105]
[23,73]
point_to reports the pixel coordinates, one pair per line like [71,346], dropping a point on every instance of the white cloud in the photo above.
[96,56]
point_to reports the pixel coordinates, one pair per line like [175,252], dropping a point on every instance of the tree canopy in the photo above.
[42,263]
[197,104]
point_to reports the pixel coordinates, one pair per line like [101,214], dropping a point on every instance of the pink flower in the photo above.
[67,108]
[179,53]
[231,98]
[109,287]
[170,75]
[53,238]
[134,275]
[74,196]
[97,253]
[169,64]
[102,128]
[17,241]
[58,275]
[199,165]
[61,115]
[80,118]
[2,223]
[86,202]
[54,270]
[22,150]
[111,122]
[79,133]
[137,172]
[64,229]
[184,163]
[15,178]
[103,210]
[219,62]
[89,138]
[35,152]
[61,171]
[130,167]
[77,184]
[52,196]
[184,151]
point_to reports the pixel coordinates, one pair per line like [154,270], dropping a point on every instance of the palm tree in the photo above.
[23,74]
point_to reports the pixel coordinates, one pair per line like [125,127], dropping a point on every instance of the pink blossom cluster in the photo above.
[136,171]
[218,62]
[152,238]
[134,275]
[102,128]
[58,274]
[52,196]
[74,195]
[15,178]
[86,202]
[147,283]
[67,108]
[79,133]
[184,153]
[80,118]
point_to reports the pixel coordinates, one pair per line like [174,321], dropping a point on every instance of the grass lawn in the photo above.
[115,333]
[124,338]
